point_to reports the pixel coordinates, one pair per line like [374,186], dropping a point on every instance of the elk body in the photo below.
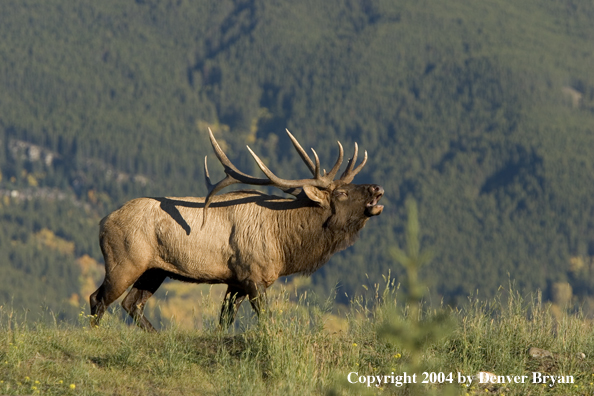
[245,239]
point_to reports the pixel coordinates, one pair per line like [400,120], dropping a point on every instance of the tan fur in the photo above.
[248,242]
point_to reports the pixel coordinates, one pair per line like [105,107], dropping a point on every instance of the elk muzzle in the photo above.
[373,208]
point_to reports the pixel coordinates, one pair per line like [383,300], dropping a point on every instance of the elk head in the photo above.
[321,189]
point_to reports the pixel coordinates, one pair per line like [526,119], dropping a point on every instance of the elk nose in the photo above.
[376,190]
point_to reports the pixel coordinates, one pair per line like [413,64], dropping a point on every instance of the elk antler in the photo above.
[234,175]
[293,187]
[349,174]
[310,164]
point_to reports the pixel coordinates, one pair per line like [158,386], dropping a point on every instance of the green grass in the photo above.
[290,352]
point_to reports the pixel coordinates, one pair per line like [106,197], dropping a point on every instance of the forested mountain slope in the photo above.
[481,111]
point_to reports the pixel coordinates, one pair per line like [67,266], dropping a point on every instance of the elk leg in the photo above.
[97,305]
[114,285]
[257,295]
[141,291]
[233,299]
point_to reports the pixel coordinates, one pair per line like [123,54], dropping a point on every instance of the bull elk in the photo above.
[248,240]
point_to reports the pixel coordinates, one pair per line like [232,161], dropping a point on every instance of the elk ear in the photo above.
[317,195]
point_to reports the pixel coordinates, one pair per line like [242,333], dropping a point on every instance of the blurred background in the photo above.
[483,112]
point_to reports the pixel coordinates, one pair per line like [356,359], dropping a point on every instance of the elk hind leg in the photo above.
[114,285]
[141,291]
[98,306]
[233,299]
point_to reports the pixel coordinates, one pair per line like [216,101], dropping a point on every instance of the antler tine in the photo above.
[233,175]
[351,163]
[230,169]
[302,153]
[212,190]
[336,166]
[350,173]
[317,172]
[359,167]
[312,167]
[283,183]
[209,185]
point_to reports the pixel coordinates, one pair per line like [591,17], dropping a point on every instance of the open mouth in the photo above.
[373,208]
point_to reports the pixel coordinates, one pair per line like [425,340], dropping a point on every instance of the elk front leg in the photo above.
[233,299]
[257,295]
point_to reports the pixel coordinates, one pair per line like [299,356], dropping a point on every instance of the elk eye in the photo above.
[341,194]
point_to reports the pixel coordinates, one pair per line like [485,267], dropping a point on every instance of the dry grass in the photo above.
[289,352]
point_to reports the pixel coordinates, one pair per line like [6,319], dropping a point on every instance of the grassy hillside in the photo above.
[483,112]
[292,352]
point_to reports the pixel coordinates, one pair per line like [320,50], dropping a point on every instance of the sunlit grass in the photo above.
[291,352]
